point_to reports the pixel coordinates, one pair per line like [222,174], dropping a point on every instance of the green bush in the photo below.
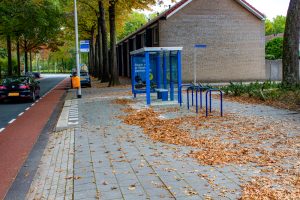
[235,89]
[4,65]
[274,49]
[270,57]
[263,91]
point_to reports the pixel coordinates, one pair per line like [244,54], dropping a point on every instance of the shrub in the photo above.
[270,57]
[235,89]
[274,49]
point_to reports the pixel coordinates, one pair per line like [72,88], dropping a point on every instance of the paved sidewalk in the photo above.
[100,157]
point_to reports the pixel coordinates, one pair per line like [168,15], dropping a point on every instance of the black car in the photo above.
[19,88]
[33,74]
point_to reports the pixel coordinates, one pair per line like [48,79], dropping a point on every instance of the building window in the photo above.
[155,35]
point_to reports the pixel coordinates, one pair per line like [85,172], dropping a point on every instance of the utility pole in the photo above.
[77,48]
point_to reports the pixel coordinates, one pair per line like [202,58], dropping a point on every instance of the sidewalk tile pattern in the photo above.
[102,158]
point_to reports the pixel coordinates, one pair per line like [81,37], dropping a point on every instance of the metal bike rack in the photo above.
[199,89]
[210,101]
[195,88]
[180,97]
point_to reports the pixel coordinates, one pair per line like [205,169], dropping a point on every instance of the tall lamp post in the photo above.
[77,47]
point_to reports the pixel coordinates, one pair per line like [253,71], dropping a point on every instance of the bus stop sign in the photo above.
[84,46]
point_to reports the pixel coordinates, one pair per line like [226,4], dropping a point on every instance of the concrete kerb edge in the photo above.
[63,120]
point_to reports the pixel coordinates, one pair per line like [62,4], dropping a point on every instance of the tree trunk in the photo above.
[96,59]
[105,76]
[30,60]
[100,52]
[26,57]
[18,57]
[114,80]
[26,61]
[92,51]
[9,57]
[290,58]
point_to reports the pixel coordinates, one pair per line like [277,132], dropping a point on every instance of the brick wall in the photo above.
[235,41]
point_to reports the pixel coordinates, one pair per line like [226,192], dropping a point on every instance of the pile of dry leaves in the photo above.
[122,101]
[233,140]
[285,104]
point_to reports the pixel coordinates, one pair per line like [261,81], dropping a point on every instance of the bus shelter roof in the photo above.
[155,49]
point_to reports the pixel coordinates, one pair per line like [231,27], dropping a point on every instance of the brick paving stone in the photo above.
[52,178]
[104,158]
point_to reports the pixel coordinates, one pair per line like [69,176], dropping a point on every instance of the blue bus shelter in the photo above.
[156,70]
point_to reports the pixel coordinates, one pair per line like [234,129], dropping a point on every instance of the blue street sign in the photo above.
[200,46]
[85,46]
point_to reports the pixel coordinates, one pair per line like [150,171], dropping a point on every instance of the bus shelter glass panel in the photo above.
[156,71]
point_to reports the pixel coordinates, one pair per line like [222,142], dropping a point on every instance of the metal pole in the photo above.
[195,67]
[77,48]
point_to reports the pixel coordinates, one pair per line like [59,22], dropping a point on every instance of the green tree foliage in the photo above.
[3,53]
[41,24]
[279,24]
[276,26]
[274,49]
[134,21]
[32,22]
[269,27]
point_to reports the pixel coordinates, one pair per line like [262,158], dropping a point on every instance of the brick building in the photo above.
[232,30]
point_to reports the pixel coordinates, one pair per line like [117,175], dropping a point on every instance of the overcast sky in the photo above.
[270,8]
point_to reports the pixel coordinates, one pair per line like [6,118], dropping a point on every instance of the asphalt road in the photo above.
[10,110]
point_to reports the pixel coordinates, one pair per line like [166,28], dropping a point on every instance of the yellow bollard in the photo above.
[75,82]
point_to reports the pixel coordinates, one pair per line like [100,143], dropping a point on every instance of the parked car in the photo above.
[29,74]
[37,74]
[33,74]
[85,79]
[21,87]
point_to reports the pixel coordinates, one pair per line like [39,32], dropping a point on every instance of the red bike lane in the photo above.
[18,138]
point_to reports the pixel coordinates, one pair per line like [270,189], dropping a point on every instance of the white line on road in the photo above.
[33,104]
[27,108]
[11,121]
[21,114]
[2,129]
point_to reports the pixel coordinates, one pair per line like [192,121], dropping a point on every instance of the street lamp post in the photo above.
[77,47]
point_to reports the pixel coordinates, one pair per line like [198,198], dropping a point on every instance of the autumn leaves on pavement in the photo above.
[269,146]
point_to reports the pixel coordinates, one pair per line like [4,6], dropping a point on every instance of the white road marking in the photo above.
[11,121]
[21,114]
[33,104]
[73,119]
[72,123]
[2,129]
[27,108]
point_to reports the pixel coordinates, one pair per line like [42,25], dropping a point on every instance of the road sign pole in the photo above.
[77,48]
[197,46]
[195,66]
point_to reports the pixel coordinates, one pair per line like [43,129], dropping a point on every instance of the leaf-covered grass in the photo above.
[272,93]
